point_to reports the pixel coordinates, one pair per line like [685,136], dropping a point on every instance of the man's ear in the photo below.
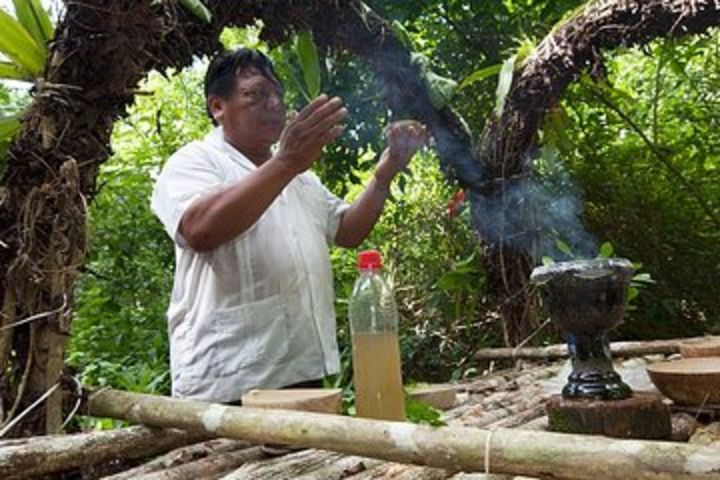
[216,106]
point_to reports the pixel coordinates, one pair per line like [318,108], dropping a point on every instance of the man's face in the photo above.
[254,111]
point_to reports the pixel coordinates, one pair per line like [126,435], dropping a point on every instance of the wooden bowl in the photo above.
[319,400]
[700,347]
[690,381]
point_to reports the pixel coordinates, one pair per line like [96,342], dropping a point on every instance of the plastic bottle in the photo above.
[376,352]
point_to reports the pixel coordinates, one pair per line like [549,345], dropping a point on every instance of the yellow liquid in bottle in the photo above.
[377,376]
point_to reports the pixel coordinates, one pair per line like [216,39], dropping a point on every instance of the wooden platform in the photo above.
[510,399]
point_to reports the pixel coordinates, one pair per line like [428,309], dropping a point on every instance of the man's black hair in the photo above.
[226,66]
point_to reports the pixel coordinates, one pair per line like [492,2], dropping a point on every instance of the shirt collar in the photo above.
[216,140]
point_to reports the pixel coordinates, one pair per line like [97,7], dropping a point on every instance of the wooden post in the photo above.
[540,454]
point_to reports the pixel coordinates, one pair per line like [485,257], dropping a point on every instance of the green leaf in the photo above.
[418,411]
[197,8]
[19,45]
[34,19]
[632,294]
[402,35]
[564,247]
[309,63]
[10,71]
[440,89]
[9,126]
[479,75]
[524,50]
[547,261]
[643,278]
[606,250]
[454,280]
[468,261]
[504,84]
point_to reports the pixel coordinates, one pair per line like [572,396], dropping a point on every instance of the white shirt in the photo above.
[258,310]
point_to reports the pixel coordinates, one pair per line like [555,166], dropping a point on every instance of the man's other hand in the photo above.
[404,139]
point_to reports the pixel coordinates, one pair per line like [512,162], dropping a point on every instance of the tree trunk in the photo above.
[28,458]
[452,448]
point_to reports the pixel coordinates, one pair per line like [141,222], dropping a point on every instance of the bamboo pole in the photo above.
[541,454]
[36,456]
[619,349]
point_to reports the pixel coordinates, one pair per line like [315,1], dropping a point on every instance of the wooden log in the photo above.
[35,456]
[304,465]
[521,452]
[181,456]
[208,468]
[397,471]
[619,349]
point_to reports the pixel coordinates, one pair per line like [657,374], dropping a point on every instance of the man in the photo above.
[252,301]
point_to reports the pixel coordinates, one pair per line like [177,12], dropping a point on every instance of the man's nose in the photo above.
[275,101]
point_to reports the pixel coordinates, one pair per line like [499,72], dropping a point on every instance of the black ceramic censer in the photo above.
[586,298]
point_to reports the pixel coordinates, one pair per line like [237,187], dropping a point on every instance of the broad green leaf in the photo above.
[547,261]
[34,19]
[10,71]
[307,54]
[197,8]
[606,250]
[504,84]
[479,75]
[19,45]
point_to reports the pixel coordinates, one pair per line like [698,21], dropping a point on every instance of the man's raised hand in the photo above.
[305,135]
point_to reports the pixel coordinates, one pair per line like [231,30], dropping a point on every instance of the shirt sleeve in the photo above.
[188,175]
[335,208]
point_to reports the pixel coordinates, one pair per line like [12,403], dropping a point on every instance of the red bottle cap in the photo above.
[369,260]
